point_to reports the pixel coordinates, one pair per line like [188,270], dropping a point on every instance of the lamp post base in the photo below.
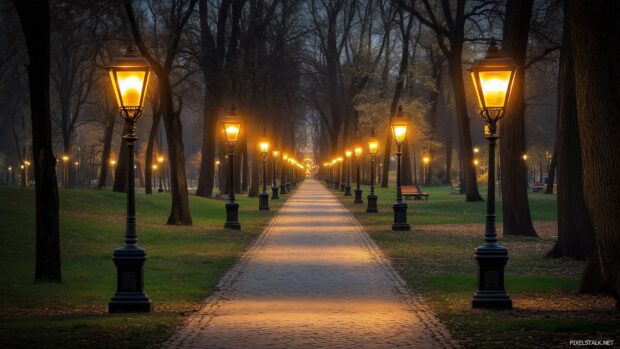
[129,296]
[491,292]
[263,201]
[372,203]
[282,189]
[347,190]
[400,217]
[232,215]
[358,197]
[274,193]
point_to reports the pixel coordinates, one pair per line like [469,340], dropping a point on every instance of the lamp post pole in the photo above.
[347,188]
[129,259]
[400,207]
[372,198]
[358,189]
[274,184]
[232,207]
[263,198]
[492,256]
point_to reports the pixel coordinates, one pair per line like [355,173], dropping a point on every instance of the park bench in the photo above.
[455,187]
[413,190]
[538,187]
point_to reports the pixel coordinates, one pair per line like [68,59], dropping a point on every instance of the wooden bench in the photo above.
[455,187]
[538,187]
[413,190]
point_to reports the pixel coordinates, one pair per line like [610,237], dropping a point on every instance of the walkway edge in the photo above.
[184,333]
[415,301]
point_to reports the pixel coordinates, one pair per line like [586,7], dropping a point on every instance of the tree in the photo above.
[575,237]
[35,21]
[597,90]
[515,206]
[178,14]
[451,29]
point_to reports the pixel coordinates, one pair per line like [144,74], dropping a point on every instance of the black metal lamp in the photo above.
[263,198]
[493,78]
[231,124]
[399,126]
[129,75]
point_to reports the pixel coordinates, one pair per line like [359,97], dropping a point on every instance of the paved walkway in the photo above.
[313,279]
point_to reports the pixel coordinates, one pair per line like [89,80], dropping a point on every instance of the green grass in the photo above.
[436,261]
[183,266]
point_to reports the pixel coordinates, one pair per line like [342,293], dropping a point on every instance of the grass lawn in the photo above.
[436,260]
[183,266]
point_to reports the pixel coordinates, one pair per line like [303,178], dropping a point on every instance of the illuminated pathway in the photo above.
[312,280]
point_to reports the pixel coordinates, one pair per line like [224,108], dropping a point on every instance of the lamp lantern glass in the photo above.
[348,154]
[263,145]
[399,126]
[373,145]
[130,75]
[231,123]
[493,78]
[358,151]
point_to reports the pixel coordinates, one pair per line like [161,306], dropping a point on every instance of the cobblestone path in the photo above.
[314,279]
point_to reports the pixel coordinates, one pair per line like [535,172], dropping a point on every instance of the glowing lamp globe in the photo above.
[358,151]
[399,126]
[231,123]
[348,154]
[340,159]
[426,160]
[493,78]
[373,145]
[130,77]
[263,145]
[275,154]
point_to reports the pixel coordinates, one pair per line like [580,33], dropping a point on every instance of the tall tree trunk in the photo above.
[35,21]
[207,165]
[148,157]
[551,173]
[107,148]
[597,88]
[120,173]
[515,206]
[575,236]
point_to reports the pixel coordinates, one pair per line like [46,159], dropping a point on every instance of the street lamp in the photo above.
[373,148]
[426,160]
[358,190]
[283,163]
[154,167]
[231,124]
[65,178]
[493,77]
[399,126]
[340,173]
[129,75]
[160,161]
[347,188]
[274,185]
[263,198]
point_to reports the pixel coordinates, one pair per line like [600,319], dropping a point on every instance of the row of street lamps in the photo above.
[493,78]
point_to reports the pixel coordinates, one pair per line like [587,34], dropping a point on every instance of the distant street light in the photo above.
[399,126]
[373,148]
[65,178]
[347,188]
[129,75]
[426,160]
[263,198]
[274,185]
[283,169]
[231,124]
[493,77]
[160,161]
[341,172]
[358,189]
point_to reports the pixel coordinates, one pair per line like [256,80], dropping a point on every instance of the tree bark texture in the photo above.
[595,47]
[575,236]
[515,206]
[35,21]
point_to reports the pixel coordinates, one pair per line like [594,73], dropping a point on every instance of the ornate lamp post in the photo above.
[65,178]
[358,190]
[283,163]
[274,186]
[231,124]
[130,77]
[493,77]
[155,167]
[373,148]
[399,128]
[426,160]
[263,198]
[341,172]
[160,161]
[347,188]
[112,167]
